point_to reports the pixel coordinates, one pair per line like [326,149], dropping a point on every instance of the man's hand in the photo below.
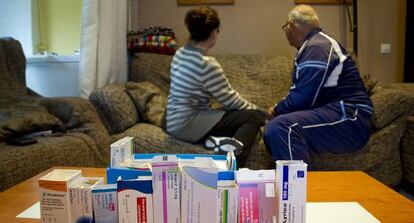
[271,113]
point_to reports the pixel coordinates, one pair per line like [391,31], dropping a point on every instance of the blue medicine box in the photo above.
[112,174]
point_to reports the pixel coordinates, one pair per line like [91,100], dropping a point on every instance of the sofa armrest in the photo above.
[115,106]
[407,151]
[405,88]
[390,104]
[79,115]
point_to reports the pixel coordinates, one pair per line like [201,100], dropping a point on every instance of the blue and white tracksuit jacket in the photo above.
[327,109]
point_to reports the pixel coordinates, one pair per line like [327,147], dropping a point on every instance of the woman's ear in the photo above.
[215,33]
[212,38]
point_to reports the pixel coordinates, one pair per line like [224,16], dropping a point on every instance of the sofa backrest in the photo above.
[263,80]
[12,68]
[151,67]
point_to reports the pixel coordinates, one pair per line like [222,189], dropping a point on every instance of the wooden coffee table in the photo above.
[381,201]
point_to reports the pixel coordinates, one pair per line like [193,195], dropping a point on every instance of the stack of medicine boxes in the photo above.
[193,188]
[186,188]
[172,188]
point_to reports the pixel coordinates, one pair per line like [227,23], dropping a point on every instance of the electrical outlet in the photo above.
[385,48]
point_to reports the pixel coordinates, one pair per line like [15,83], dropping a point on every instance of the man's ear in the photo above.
[293,26]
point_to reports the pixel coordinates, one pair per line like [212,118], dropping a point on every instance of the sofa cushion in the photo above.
[70,149]
[115,107]
[19,116]
[151,67]
[389,104]
[149,100]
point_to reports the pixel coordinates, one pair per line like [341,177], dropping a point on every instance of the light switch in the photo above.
[385,48]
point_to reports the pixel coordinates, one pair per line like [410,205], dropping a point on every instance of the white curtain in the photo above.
[133,13]
[103,44]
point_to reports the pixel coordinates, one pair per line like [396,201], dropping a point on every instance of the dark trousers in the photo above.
[243,125]
[333,128]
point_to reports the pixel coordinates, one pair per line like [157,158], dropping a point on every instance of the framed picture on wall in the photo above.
[205,2]
[331,2]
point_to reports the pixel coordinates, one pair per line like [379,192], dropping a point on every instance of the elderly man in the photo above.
[327,109]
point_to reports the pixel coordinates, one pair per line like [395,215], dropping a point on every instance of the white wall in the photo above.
[53,76]
[16,21]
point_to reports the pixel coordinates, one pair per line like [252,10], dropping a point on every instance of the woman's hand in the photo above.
[271,113]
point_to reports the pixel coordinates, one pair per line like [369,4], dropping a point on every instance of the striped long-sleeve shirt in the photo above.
[195,79]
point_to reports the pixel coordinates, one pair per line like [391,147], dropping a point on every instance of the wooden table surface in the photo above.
[382,202]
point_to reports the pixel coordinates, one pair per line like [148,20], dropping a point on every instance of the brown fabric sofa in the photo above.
[407,152]
[80,139]
[407,141]
[263,80]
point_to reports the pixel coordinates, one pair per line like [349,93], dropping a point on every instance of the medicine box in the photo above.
[80,199]
[198,190]
[291,178]
[105,203]
[121,151]
[257,198]
[135,200]
[227,197]
[166,183]
[54,199]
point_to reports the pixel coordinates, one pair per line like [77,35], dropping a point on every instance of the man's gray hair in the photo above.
[304,15]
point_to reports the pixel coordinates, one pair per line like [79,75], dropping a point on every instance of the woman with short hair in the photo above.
[196,78]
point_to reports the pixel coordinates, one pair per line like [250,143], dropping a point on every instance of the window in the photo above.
[42,25]
[16,21]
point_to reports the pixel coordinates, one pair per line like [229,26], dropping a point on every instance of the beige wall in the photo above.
[254,27]
[382,21]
